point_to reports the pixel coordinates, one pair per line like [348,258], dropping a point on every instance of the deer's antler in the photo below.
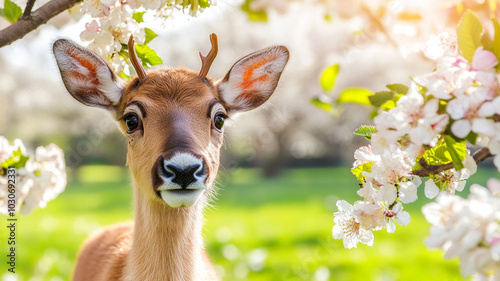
[206,62]
[141,72]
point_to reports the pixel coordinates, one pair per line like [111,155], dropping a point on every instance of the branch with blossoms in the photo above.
[420,135]
[112,23]
[30,21]
[427,170]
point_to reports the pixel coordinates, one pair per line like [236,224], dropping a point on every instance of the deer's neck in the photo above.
[167,243]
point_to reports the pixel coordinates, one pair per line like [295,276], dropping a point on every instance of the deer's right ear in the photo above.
[86,76]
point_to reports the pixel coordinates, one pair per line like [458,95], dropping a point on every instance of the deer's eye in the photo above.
[219,121]
[132,123]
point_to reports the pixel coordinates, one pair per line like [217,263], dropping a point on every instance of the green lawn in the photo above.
[259,229]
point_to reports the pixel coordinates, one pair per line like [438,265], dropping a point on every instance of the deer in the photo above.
[173,120]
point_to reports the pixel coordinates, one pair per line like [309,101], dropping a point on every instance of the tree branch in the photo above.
[27,12]
[479,156]
[24,25]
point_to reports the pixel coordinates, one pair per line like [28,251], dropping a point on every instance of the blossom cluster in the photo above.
[468,229]
[425,126]
[428,124]
[38,179]
[114,21]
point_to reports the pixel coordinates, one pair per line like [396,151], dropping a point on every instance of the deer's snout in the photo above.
[180,178]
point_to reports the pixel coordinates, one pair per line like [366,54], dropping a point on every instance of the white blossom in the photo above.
[396,214]
[348,228]
[441,45]
[468,229]
[42,179]
[365,155]
[370,215]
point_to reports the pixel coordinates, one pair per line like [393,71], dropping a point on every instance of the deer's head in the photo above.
[173,118]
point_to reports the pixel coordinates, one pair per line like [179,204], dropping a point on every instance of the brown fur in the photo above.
[165,243]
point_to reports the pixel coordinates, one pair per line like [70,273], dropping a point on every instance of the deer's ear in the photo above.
[86,76]
[253,79]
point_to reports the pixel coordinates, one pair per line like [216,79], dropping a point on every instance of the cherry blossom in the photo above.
[348,228]
[396,214]
[468,229]
[470,113]
[40,180]
[457,100]
[113,22]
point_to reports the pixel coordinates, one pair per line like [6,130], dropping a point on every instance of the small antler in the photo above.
[141,72]
[206,62]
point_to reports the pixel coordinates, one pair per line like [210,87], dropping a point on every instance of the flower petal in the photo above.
[403,218]
[483,59]
[388,193]
[407,192]
[483,126]
[390,226]
[342,205]
[460,185]
[493,186]
[431,189]
[461,128]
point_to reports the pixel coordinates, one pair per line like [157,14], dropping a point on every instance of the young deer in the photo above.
[173,119]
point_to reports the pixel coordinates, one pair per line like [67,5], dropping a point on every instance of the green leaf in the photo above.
[457,150]
[355,95]
[437,155]
[398,88]
[328,107]
[421,89]
[150,35]
[388,105]
[469,33]
[471,138]
[18,160]
[357,172]
[204,4]
[124,75]
[11,11]
[328,77]
[253,15]
[147,55]
[366,131]
[487,42]
[496,42]
[138,16]
[379,98]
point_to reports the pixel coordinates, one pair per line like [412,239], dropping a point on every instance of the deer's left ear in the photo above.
[253,79]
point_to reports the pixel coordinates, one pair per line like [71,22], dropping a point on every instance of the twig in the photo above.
[27,11]
[378,23]
[427,169]
[24,26]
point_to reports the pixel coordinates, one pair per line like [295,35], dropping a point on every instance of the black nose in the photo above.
[182,176]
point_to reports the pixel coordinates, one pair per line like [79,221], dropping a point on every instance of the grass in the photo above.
[259,229]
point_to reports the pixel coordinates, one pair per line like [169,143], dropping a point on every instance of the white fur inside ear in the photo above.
[253,79]
[86,76]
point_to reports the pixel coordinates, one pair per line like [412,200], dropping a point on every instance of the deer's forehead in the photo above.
[167,90]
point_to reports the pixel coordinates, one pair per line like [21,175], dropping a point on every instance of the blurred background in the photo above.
[283,166]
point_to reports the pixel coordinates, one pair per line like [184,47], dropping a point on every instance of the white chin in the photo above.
[181,198]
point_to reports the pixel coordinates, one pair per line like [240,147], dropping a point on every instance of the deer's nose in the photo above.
[183,176]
